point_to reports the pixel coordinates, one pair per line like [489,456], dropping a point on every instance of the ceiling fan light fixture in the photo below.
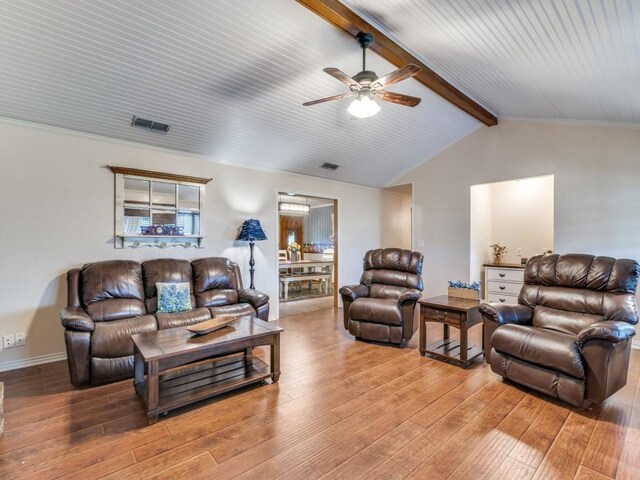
[363,107]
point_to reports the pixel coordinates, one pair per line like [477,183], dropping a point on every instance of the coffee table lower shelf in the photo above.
[191,383]
[448,349]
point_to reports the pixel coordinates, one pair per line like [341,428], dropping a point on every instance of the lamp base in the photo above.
[252,263]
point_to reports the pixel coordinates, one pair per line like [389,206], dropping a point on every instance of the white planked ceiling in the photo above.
[547,59]
[228,76]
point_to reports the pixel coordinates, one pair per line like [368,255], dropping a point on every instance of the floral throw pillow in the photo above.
[173,297]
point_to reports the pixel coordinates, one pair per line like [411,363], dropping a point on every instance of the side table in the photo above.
[460,313]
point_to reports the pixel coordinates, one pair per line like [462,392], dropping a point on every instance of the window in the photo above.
[158,209]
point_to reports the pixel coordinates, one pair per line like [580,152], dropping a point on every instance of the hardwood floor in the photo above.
[288,309]
[342,409]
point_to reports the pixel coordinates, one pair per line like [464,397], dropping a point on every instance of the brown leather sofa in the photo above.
[381,307]
[570,334]
[109,301]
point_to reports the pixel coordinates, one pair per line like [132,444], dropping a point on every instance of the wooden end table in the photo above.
[182,368]
[460,313]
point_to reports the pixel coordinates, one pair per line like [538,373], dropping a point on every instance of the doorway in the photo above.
[307,253]
[516,215]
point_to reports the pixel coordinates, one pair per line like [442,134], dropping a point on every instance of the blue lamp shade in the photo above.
[251,231]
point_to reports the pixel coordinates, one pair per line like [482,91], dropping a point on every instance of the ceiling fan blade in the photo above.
[406,100]
[343,77]
[328,99]
[397,75]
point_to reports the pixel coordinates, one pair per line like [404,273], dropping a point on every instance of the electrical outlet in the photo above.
[21,339]
[519,251]
[9,341]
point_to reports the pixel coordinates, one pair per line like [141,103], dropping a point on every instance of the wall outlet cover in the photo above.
[21,339]
[8,341]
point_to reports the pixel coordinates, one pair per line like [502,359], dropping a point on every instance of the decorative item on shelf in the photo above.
[251,231]
[464,290]
[294,252]
[169,230]
[498,252]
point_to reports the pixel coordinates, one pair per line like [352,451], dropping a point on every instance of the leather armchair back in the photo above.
[216,281]
[389,272]
[570,292]
[112,290]
[164,270]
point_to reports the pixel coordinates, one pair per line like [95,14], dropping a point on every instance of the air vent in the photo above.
[330,166]
[150,124]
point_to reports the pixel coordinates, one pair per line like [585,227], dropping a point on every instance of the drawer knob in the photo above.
[441,315]
[502,300]
[501,275]
[501,287]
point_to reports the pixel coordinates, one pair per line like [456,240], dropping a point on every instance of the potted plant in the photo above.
[460,289]
[294,252]
[498,251]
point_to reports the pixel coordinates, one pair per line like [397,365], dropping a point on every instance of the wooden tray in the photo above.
[212,325]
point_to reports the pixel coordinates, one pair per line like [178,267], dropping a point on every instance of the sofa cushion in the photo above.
[548,348]
[182,319]
[112,290]
[237,309]
[563,320]
[113,339]
[377,310]
[173,297]
[164,270]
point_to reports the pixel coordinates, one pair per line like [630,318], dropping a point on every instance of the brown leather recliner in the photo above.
[109,301]
[570,334]
[381,307]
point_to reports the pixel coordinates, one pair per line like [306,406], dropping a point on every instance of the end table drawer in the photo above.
[442,316]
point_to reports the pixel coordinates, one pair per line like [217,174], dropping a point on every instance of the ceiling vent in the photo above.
[329,166]
[150,124]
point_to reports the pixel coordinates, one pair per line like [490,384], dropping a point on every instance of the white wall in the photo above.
[396,225]
[515,213]
[479,231]
[57,212]
[522,216]
[597,190]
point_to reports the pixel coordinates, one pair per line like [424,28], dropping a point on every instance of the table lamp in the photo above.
[251,231]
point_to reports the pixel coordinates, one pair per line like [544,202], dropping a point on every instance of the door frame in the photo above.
[336,242]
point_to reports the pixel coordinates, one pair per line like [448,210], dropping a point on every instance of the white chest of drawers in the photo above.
[503,284]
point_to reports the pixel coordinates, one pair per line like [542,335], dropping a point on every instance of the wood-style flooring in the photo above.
[288,309]
[342,409]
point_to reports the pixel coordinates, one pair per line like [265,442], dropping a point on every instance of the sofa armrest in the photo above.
[351,292]
[253,297]
[75,318]
[611,331]
[503,314]
[411,295]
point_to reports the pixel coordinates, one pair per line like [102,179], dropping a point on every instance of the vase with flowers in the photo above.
[498,252]
[294,252]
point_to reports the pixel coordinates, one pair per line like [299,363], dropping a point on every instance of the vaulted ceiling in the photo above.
[230,76]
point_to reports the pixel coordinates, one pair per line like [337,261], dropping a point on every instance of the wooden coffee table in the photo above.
[182,368]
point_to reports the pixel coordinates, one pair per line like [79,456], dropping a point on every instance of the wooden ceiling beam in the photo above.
[337,14]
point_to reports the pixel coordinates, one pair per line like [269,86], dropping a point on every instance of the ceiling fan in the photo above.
[367,87]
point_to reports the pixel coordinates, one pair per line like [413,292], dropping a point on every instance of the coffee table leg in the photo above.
[138,368]
[275,358]
[152,391]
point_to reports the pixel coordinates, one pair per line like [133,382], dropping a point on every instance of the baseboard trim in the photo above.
[30,362]
[635,344]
